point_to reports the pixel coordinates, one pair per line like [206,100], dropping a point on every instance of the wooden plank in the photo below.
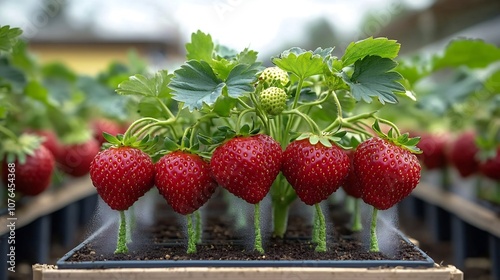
[470,212]
[46,272]
[50,201]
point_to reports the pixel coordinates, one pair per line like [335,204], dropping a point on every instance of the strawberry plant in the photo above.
[458,101]
[282,131]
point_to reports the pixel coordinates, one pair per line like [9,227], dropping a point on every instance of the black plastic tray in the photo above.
[64,264]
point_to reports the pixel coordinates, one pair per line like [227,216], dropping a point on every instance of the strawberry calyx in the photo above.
[394,136]
[19,148]
[146,144]
[326,139]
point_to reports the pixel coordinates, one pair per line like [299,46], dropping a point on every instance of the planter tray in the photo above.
[63,263]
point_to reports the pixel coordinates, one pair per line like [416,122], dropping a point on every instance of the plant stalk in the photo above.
[280,218]
[198,226]
[373,232]
[357,226]
[321,246]
[191,235]
[258,236]
[121,246]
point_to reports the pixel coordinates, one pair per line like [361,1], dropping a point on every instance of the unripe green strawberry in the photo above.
[274,76]
[273,100]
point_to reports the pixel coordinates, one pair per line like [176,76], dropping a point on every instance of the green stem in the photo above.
[315,103]
[191,235]
[121,246]
[240,117]
[158,123]
[295,102]
[352,119]
[373,232]
[314,127]
[165,108]
[134,126]
[244,104]
[258,236]
[316,227]
[339,107]
[198,226]
[129,215]
[391,124]
[321,247]
[357,226]
[280,219]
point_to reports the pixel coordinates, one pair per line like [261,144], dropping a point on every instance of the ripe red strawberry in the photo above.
[351,184]
[433,154]
[51,141]
[491,167]
[463,154]
[184,180]
[247,166]
[314,171]
[121,176]
[75,159]
[105,125]
[34,176]
[387,172]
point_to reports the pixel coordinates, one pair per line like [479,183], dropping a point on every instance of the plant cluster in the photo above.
[295,129]
[51,119]
[457,112]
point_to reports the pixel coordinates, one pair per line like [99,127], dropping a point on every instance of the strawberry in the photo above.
[184,180]
[34,175]
[273,100]
[314,171]
[105,125]
[463,154]
[491,167]
[351,184]
[122,175]
[433,154]
[387,172]
[51,141]
[247,166]
[274,76]
[75,159]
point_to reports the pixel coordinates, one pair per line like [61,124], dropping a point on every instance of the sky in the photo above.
[257,24]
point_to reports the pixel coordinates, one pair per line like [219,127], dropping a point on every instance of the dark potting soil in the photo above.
[165,240]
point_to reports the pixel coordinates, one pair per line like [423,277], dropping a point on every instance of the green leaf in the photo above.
[195,83]
[8,37]
[156,86]
[223,106]
[300,62]
[12,75]
[150,107]
[373,77]
[241,79]
[247,56]
[382,47]
[36,91]
[470,53]
[200,48]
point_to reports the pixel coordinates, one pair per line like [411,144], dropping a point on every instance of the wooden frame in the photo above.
[48,272]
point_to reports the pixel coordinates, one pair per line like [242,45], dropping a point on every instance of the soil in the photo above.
[221,241]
